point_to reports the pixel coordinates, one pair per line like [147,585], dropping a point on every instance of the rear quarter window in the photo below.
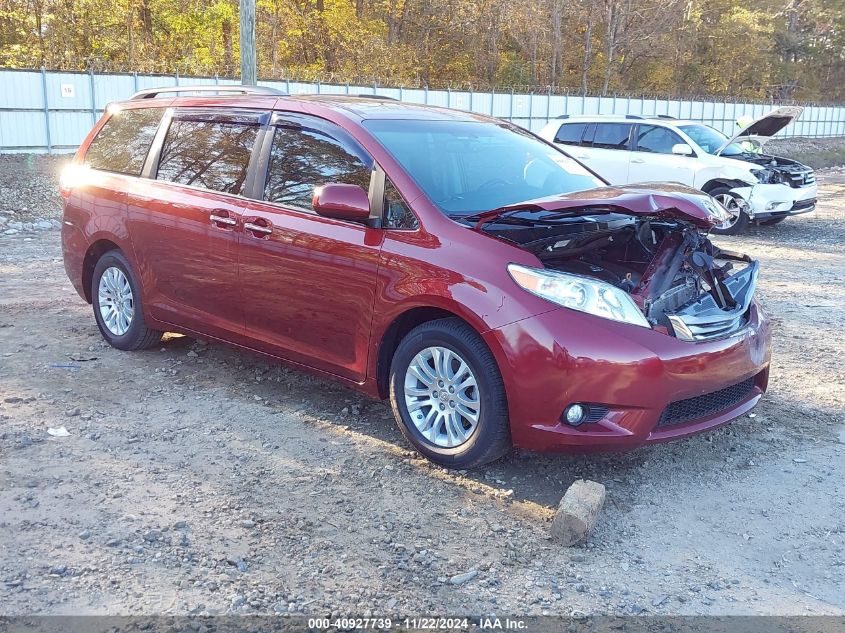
[122,143]
[570,133]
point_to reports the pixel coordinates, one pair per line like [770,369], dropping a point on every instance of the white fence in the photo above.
[46,111]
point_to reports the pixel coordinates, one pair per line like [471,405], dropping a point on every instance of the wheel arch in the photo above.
[396,331]
[95,251]
[715,183]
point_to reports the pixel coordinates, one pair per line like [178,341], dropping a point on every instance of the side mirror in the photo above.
[682,149]
[342,202]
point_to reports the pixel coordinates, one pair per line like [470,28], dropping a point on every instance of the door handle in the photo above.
[581,157]
[637,160]
[222,219]
[257,228]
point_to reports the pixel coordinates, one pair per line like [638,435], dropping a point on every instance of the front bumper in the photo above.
[653,386]
[776,200]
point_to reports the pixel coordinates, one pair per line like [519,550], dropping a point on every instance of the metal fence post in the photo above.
[510,112]
[135,81]
[46,109]
[492,101]
[93,95]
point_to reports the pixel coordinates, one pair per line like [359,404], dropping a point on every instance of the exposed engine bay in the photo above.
[684,285]
[776,170]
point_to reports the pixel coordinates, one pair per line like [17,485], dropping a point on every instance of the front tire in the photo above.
[118,310]
[448,397]
[740,218]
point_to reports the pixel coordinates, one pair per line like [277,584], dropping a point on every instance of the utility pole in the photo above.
[248,72]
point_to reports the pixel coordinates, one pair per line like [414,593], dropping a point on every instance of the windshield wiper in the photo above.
[506,215]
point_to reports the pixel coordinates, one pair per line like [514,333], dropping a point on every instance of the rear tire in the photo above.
[118,308]
[729,201]
[462,426]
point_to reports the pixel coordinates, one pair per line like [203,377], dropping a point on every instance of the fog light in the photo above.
[574,414]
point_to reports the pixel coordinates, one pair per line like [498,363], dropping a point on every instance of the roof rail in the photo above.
[368,96]
[151,93]
[563,116]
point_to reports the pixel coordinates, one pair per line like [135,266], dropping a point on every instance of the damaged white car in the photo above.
[752,186]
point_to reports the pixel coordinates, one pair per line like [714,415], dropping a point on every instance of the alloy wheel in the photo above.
[442,397]
[733,209]
[117,305]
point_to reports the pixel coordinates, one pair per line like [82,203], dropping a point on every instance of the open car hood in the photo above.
[765,127]
[656,200]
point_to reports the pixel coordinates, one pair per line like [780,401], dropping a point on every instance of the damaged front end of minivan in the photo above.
[633,254]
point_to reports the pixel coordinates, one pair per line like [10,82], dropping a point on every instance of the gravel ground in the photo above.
[196,480]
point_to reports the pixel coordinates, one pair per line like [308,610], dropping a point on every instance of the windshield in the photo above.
[710,139]
[465,167]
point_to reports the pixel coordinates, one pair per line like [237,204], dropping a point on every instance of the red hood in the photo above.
[659,200]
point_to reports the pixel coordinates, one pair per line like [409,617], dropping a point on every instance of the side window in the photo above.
[656,139]
[123,142]
[570,133]
[397,213]
[210,154]
[612,135]
[301,159]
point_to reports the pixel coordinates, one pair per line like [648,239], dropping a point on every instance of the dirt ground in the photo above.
[197,480]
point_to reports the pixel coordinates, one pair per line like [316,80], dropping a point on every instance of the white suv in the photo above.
[751,185]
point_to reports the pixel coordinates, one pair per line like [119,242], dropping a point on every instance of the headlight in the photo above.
[766,176]
[579,293]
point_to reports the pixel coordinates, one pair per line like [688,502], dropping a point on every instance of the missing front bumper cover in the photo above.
[703,319]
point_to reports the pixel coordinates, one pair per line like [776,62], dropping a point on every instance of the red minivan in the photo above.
[494,289]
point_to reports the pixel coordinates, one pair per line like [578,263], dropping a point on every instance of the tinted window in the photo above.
[469,166]
[210,154]
[611,135]
[570,133]
[711,140]
[123,142]
[302,159]
[397,213]
[656,139]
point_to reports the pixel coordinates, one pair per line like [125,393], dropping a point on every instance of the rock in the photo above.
[151,536]
[85,535]
[10,231]
[248,523]
[238,601]
[12,400]
[43,225]
[59,570]
[461,579]
[578,512]
[239,563]
[71,413]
